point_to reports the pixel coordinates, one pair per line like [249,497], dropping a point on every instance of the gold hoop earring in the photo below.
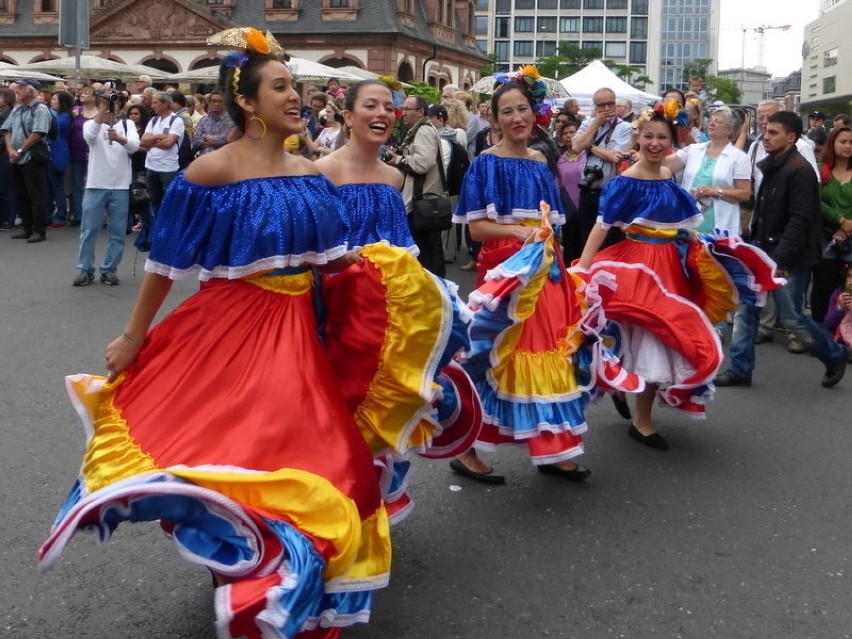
[260,123]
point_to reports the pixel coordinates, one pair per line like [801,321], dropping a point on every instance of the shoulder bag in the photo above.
[430,211]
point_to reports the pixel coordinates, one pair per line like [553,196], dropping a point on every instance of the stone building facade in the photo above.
[430,40]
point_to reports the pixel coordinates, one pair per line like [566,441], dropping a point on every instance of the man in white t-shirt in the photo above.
[111,142]
[162,137]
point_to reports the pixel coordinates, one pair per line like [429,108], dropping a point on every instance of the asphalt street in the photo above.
[740,530]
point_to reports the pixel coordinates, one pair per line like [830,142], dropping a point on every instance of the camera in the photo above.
[116,100]
[591,174]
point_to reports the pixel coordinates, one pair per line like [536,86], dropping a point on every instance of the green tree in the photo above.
[491,67]
[568,60]
[425,91]
[696,67]
[723,89]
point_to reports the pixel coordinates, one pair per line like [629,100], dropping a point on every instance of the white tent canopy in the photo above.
[596,75]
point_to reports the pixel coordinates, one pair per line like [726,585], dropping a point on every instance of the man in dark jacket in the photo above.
[786,224]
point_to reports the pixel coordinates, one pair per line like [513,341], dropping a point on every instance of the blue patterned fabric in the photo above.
[660,204]
[235,230]
[376,213]
[507,190]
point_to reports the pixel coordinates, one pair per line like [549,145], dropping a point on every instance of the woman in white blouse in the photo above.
[717,173]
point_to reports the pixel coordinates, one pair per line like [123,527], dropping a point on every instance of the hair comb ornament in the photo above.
[248,40]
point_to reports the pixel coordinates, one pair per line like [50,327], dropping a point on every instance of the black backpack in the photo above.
[459,164]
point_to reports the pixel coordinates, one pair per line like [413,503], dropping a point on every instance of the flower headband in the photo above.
[246,41]
[529,77]
[669,108]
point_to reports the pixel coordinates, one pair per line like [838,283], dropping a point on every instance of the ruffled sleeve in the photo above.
[235,230]
[508,191]
[660,204]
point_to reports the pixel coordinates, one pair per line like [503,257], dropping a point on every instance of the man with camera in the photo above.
[605,138]
[111,142]
[417,158]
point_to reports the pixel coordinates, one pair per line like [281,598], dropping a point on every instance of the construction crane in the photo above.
[761,32]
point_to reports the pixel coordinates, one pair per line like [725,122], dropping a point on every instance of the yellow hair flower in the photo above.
[391,81]
[256,41]
[671,108]
[530,71]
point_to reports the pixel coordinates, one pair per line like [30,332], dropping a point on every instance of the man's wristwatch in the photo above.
[19,151]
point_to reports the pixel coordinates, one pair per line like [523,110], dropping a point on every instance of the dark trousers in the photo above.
[577,227]
[8,202]
[431,251]
[158,183]
[31,187]
[827,275]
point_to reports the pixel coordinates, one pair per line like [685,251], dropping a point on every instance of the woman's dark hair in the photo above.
[680,94]
[66,102]
[828,156]
[248,84]
[144,115]
[503,89]
[659,117]
[8,96]
[354,89]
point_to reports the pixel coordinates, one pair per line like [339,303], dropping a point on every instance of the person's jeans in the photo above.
[79,168]
[158,182]
[56,198]
[31,187]
[95,202]
[789,301]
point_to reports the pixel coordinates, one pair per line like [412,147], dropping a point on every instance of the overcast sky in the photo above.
[782,49]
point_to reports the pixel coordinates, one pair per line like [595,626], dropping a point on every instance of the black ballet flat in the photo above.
[621,406]
[580,473]
[486,478]
[654,440]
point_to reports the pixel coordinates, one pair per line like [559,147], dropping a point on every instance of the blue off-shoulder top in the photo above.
[238,229]
[376,213]
[660,204]
[508,191]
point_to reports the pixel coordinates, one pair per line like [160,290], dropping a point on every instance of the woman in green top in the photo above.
[836,195]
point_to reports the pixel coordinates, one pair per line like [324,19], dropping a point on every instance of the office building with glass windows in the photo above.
[659,37]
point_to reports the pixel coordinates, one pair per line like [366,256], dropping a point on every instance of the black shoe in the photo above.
[621,406]
[6,226]
[654,440]
[732,379]
[486,478]
[835,372]
[763,338]
[35,238]
[580,473]
[21,235]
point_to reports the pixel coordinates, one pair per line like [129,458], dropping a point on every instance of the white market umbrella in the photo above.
[94,67]
[554,89]
[205,75]
[14,72]
[305,70]
[364,74]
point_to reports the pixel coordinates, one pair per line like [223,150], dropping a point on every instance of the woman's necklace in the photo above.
[713,151]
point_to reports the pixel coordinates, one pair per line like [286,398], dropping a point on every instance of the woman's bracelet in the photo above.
[133,340]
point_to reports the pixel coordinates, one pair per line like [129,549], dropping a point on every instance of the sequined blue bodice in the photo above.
[235,230]
[653,203]
[507,190]
[375,213]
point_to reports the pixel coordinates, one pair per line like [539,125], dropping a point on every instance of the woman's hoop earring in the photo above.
[260,123]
